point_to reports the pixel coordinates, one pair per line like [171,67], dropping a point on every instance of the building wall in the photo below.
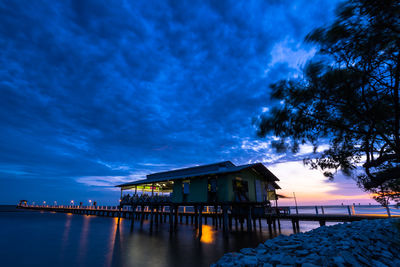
[177,194]
[227,193]
[223,189]
[198,190]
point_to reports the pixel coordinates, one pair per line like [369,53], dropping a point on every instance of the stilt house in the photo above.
[218,182]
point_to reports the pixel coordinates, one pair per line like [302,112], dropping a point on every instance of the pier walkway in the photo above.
[220,215]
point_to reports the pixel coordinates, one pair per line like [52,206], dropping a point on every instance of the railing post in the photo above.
[322,209]
[316,210]
[348,209]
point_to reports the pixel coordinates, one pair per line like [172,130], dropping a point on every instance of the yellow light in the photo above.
[207,235]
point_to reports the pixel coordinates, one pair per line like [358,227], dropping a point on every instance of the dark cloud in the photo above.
[118,89]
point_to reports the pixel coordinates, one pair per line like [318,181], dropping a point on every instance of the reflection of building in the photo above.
[218,182]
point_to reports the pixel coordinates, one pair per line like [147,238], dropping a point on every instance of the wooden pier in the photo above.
[224,216]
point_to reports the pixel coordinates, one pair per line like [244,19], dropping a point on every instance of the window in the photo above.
[240,190]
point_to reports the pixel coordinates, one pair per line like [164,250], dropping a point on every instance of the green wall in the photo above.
[177,194]
[223,189]
[198,191]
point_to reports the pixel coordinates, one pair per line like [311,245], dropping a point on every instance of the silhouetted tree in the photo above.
[348,97]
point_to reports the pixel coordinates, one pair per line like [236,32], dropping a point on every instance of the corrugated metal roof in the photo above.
[192,170]
[210,169]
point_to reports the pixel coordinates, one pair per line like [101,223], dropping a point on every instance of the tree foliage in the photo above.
[348,97]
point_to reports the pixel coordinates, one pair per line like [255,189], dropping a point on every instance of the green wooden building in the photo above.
[218,182]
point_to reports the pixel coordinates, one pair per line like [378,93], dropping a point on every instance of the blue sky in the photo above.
[95,93]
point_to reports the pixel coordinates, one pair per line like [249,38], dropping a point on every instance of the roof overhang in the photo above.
[258,168]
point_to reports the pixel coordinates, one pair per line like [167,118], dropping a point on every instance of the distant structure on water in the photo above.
[218,182]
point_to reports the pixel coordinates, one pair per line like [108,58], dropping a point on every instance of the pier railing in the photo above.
[222,215]
[350,210]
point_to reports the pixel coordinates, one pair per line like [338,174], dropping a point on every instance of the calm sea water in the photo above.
[33,238]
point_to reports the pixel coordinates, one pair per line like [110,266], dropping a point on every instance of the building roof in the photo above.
[224,167]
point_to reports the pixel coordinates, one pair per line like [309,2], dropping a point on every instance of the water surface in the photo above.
[33,238]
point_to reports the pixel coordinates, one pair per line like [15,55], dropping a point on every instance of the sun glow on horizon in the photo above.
[311,187]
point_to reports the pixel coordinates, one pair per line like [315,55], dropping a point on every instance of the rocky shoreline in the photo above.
[364,243]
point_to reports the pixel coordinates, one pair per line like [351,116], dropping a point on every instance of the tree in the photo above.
[348,97]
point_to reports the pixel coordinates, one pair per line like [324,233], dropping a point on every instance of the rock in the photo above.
[249,260]
[386,254]
[248,251]
[308,264]
[377,263]
[302,252]
[288,260]
[261,251]
[363,243]
[339,261]
[275,259]
[227,264]
[349,258]
[363,260]
[291,247]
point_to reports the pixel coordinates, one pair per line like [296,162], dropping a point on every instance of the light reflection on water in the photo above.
[57,239]
[83,240]
[208,234]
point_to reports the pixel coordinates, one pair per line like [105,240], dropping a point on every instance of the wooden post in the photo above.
[142,217]
[171,220]
[293,225]
[322,209]
[236,223]
[200,221]
[176,217]
[196,223]
[133,217]
[157,215]
[254,223]
[212,218]
[225,219]
[249,219]
[216,216]
[316,210]
[269,221]
[151,218]
[349,211]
